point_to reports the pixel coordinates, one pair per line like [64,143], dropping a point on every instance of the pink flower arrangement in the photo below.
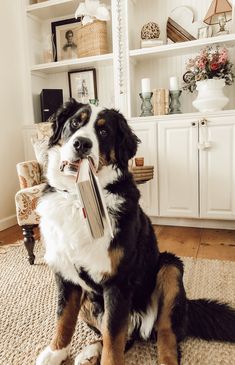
[211,63]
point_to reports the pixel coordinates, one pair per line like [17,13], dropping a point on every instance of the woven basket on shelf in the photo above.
[142,174]
[92,39]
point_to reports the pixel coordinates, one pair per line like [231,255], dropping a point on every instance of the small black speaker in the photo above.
[51,100]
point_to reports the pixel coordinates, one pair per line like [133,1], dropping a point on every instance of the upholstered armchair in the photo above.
[26,199]
[32,182]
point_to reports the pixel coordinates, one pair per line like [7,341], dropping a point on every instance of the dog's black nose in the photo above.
[82,144]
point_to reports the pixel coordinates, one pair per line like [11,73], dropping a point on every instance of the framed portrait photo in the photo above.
[64,34]
[82,85]
[204,32]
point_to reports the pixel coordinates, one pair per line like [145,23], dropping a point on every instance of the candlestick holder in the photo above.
[175,102]
[146,105]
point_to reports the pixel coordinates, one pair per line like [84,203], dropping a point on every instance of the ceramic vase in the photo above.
[211,96]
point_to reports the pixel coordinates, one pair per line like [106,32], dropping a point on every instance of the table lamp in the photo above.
[219,12]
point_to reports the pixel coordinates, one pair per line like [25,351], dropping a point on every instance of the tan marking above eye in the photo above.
[101,122]
[84,116]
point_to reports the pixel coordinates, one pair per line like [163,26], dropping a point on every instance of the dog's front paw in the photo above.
[50,357]
[90,355]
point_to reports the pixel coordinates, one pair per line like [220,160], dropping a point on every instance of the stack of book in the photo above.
[92,200]
[142,174]
[160,101]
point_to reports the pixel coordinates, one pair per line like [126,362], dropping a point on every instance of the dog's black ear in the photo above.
[61,116]
[126,142]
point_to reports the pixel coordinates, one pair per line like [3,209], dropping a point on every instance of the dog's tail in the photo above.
[211,320]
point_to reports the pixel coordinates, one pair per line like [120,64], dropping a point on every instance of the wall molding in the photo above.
[8,222]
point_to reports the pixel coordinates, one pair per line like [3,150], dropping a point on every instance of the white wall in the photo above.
[11,107]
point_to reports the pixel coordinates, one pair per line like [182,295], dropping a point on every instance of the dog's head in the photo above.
[83,130]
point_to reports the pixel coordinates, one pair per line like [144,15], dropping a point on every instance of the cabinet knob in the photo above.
[203,122]
[193,124]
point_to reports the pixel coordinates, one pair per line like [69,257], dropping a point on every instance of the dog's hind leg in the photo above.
[170,324]
[90,355]
[69,298]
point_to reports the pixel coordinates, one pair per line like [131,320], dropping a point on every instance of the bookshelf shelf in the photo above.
[180,48]
[52,9]
[70,65]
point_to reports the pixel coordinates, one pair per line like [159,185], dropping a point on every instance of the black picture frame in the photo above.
[62,26]
[83,85]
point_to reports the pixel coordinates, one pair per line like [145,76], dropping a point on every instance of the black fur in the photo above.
[211,320]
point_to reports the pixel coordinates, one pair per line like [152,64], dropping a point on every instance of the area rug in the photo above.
[28,306]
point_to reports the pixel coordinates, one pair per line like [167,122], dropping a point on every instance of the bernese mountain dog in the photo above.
[121,285]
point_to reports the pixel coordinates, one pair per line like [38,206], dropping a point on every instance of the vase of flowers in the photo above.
[208,73]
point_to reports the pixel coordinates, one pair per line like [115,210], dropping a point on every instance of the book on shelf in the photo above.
[160,101]
[92,199]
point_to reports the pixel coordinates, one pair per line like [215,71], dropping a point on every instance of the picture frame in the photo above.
[204,32]
[83,85]
[64,35]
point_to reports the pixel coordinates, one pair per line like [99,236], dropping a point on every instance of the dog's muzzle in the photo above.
[82,146]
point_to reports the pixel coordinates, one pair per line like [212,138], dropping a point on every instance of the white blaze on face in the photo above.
[88,131]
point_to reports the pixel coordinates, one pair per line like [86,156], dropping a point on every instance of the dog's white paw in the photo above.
[90,355]
[50,357]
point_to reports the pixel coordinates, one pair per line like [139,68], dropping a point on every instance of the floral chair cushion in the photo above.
[26,201]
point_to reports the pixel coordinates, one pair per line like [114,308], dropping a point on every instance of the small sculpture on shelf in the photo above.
[150,33]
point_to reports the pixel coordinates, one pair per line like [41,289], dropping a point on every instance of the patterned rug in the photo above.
[28,306]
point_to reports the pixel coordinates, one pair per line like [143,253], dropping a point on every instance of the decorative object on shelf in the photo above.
[204,32]
[160,101]
[82,85]
[150,33]
[92,36]
[139,161]
[175,92]
[211,96]
[91,10]
[145,85]
[92,39]
[142,173]
[146,96]
[180,25]
[150,30]
[174,107]
[219,12]
[208,73]
[65,38]
[146,105]
[50,100]
[49,49]
[94,102]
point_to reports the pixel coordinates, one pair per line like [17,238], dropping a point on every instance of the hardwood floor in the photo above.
[183,241]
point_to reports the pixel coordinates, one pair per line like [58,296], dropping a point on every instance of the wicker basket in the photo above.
[92,39]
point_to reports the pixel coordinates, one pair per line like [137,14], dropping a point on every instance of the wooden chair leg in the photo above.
[29,241]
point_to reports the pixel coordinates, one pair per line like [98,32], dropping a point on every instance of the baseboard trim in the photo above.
[198,223]
[8,222]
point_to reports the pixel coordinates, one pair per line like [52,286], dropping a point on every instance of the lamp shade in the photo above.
[217,7]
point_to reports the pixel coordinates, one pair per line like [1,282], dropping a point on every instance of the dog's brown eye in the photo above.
[75,123]
[103,133]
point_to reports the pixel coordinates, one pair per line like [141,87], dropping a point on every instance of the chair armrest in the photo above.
[29,173]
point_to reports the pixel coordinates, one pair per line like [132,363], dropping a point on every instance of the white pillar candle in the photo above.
[174,83]
[145,86]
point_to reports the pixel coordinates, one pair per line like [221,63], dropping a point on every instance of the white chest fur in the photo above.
[68,242]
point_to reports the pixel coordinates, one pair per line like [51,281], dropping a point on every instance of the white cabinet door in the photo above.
[217,168]
[178,168]
[147,133]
